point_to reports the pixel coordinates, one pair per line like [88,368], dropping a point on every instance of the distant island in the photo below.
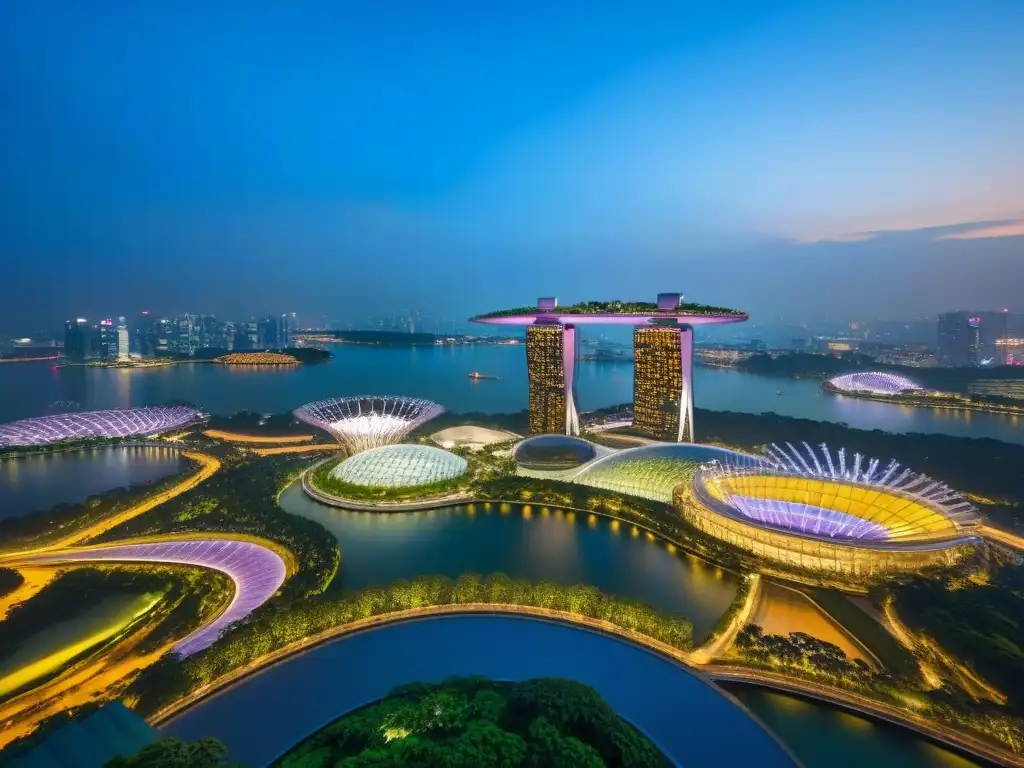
[257,358]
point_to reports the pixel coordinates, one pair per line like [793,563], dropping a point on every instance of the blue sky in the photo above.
[341,158]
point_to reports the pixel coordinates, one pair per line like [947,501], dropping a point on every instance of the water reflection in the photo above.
[539,543]
[40,481]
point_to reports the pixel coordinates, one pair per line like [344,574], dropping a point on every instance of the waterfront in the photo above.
[38,482]
[439,373]
[688,719]
[820,735]
[527,542]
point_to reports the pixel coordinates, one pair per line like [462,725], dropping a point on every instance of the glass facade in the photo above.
[660,385]
[393,466]
[550,362]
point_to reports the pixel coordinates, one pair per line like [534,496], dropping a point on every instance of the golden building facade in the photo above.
[550,364]
[662,382]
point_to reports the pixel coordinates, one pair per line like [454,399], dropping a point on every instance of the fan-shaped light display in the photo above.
[831,512]
[396,466]
[875,382]
[362,423]
[43,430]
[256,571]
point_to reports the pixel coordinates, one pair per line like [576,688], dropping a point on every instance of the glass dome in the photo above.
[553,452]
[396,466]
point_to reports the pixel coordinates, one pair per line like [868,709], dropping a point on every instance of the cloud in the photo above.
[851,237]
[1012,228]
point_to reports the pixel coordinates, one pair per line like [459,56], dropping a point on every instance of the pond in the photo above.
[526,542]
[38,482]
[265,714]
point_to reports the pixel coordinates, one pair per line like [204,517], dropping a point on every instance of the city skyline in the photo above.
[810,148]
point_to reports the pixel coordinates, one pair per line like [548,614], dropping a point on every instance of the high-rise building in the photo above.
[123,352]
[77,341]
[286,326]
[969,339]
[107,340]
[189,333]
[550,366]
[662,381]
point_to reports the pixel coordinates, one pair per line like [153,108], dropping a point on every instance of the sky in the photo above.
[793,159]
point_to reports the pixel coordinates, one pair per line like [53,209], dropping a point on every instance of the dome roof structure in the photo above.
[553,452]
[397,466]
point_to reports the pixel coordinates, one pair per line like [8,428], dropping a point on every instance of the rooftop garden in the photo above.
[616,307]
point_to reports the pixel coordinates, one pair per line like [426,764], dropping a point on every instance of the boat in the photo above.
[477,376]
[779,392]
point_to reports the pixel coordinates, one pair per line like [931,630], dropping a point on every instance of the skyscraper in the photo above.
[968,339]
[662,381]
[77,344]
[107,340]
[122,340]
[550,366]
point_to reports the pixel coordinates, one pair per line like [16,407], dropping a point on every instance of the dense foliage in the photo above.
[38,528]
[10,580]
[191,597]
[278,625]
[616,307]
[800,651]
[242,498]
[478,723]
[982,625]
[249,423]
[172,753]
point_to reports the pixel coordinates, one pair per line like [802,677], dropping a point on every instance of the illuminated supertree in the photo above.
[43,430]
[875,382]
[362,423]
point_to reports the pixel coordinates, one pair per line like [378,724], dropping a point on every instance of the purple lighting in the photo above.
[875,382]
[257,572]
[807,518]
[43,430]
[362,423]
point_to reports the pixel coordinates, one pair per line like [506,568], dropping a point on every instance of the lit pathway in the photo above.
[256,571]
[1003,537]
[235,437]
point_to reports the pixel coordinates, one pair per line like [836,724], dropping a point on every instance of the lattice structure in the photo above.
[875,382]
[362,423]
[44,430]
[257,572]
[813,492]
[394,466]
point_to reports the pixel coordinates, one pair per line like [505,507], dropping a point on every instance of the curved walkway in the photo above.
[690,720]
[237,437]
[256,571]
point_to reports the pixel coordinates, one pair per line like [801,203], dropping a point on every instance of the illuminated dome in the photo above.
[396,466]
[553,452]
[654,471]
[826,512]
[362,423]
[82,425]
[875,382]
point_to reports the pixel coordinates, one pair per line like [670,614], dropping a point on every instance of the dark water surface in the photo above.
[37,483]
[527,542]
[440,374]
[823,737]
[268,713]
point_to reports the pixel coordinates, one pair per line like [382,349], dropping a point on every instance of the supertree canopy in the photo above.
[875,382]
[43,430]
[362,423]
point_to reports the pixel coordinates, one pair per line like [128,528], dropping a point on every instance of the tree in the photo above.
[172,753]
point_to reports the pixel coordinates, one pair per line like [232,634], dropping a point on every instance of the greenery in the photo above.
[616,307]
[10,580]
[172,753]
[242,498]
[876,638]
[979,624]
[37,528]
[277,625]
[799,651]
[322,480]
[191,597]
[249,423]
[478,723]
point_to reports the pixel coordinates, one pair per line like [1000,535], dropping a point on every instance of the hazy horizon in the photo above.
[796,160]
